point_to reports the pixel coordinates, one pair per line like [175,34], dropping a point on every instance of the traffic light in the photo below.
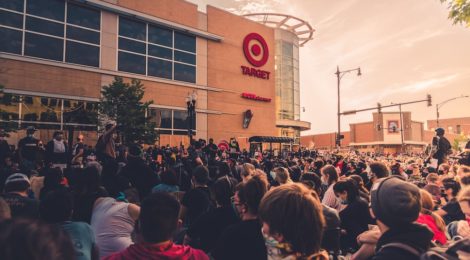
[379,108]
[429,100]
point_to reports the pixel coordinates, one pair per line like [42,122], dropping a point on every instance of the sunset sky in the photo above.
[406,49]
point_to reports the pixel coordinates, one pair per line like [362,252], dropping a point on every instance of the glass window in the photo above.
[185,57]
[43,47]
[159,68]
[11,19]
[160,36]
[43,26]
[11,40]
[52,9]
[185,42]
[287,49]
[161,117]
[83,16]
[132,29]
[131,63]
[185,72]
[180,119]
[83,35]
[130,45]
[82,54]
[39,112]
[79,113]
[16,5]
[160,52]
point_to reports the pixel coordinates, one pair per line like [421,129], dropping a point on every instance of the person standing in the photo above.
[56,150]
[27,150]
[78,151]
[106,146]
[441,146]
[4,148]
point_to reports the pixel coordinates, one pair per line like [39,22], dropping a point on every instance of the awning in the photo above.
[270,139]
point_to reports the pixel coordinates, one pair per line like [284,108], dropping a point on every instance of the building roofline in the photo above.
[149,18]
[301,28]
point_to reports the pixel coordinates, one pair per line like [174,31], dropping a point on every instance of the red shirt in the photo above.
[168,251]
[429,221]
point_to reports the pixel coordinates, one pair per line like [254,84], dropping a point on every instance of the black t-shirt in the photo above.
[443,146]
[77,147]
[29,148]
[241,241]
[22,206]
[197,201]
[454,212]
[354,219]
[206,231]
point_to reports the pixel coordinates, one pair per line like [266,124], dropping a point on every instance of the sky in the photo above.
[406,49]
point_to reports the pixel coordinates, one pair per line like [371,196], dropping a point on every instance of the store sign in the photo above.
[256,53]
[255,97]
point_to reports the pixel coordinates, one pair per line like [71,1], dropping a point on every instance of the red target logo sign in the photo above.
[255,49]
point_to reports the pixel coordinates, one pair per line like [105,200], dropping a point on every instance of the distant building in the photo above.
[385,134]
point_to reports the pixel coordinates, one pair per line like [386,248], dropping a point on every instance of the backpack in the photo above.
[447,252]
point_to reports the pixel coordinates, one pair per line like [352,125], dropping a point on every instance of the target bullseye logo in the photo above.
[255,49]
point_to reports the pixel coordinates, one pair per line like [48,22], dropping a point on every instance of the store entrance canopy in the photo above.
[270,139]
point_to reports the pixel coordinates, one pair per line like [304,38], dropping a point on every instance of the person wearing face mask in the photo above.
[244,240]
[27,150]
[57,150]
[288,239]
[354,217]
[377,172]
[329,177]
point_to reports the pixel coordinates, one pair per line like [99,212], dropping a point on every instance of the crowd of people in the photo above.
[126,202]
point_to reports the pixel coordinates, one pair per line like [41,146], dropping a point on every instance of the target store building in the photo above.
[56,55]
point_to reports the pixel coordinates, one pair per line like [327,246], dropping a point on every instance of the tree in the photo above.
[461,139]
[121,103]
[459,11]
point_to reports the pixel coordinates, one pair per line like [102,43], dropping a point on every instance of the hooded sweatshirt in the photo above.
[169,251]
[416,236]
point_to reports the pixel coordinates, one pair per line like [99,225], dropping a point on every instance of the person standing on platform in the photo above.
[27,150]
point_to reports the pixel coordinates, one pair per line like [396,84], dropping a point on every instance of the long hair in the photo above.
[427,206]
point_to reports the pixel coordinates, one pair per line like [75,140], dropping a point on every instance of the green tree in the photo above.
[458,140]
[459,11]
[122,102]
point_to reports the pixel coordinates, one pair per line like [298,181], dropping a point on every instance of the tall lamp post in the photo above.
[191,106]
[442,104]
[339,75]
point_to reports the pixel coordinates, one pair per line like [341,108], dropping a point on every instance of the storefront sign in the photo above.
[255,97]
[256,53]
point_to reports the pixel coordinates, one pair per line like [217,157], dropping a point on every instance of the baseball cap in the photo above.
[17,177]
[395,202]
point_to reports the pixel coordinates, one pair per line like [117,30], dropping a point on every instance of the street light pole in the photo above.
[339,75]
[442,104]
[191,105]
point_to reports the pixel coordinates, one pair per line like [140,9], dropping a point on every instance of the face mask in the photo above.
[344,202]
[323,181]
[272,246]
[273,174]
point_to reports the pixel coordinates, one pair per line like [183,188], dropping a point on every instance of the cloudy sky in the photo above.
[406,49]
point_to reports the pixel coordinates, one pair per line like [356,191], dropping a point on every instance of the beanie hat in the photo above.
[396,202]
[17,177]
